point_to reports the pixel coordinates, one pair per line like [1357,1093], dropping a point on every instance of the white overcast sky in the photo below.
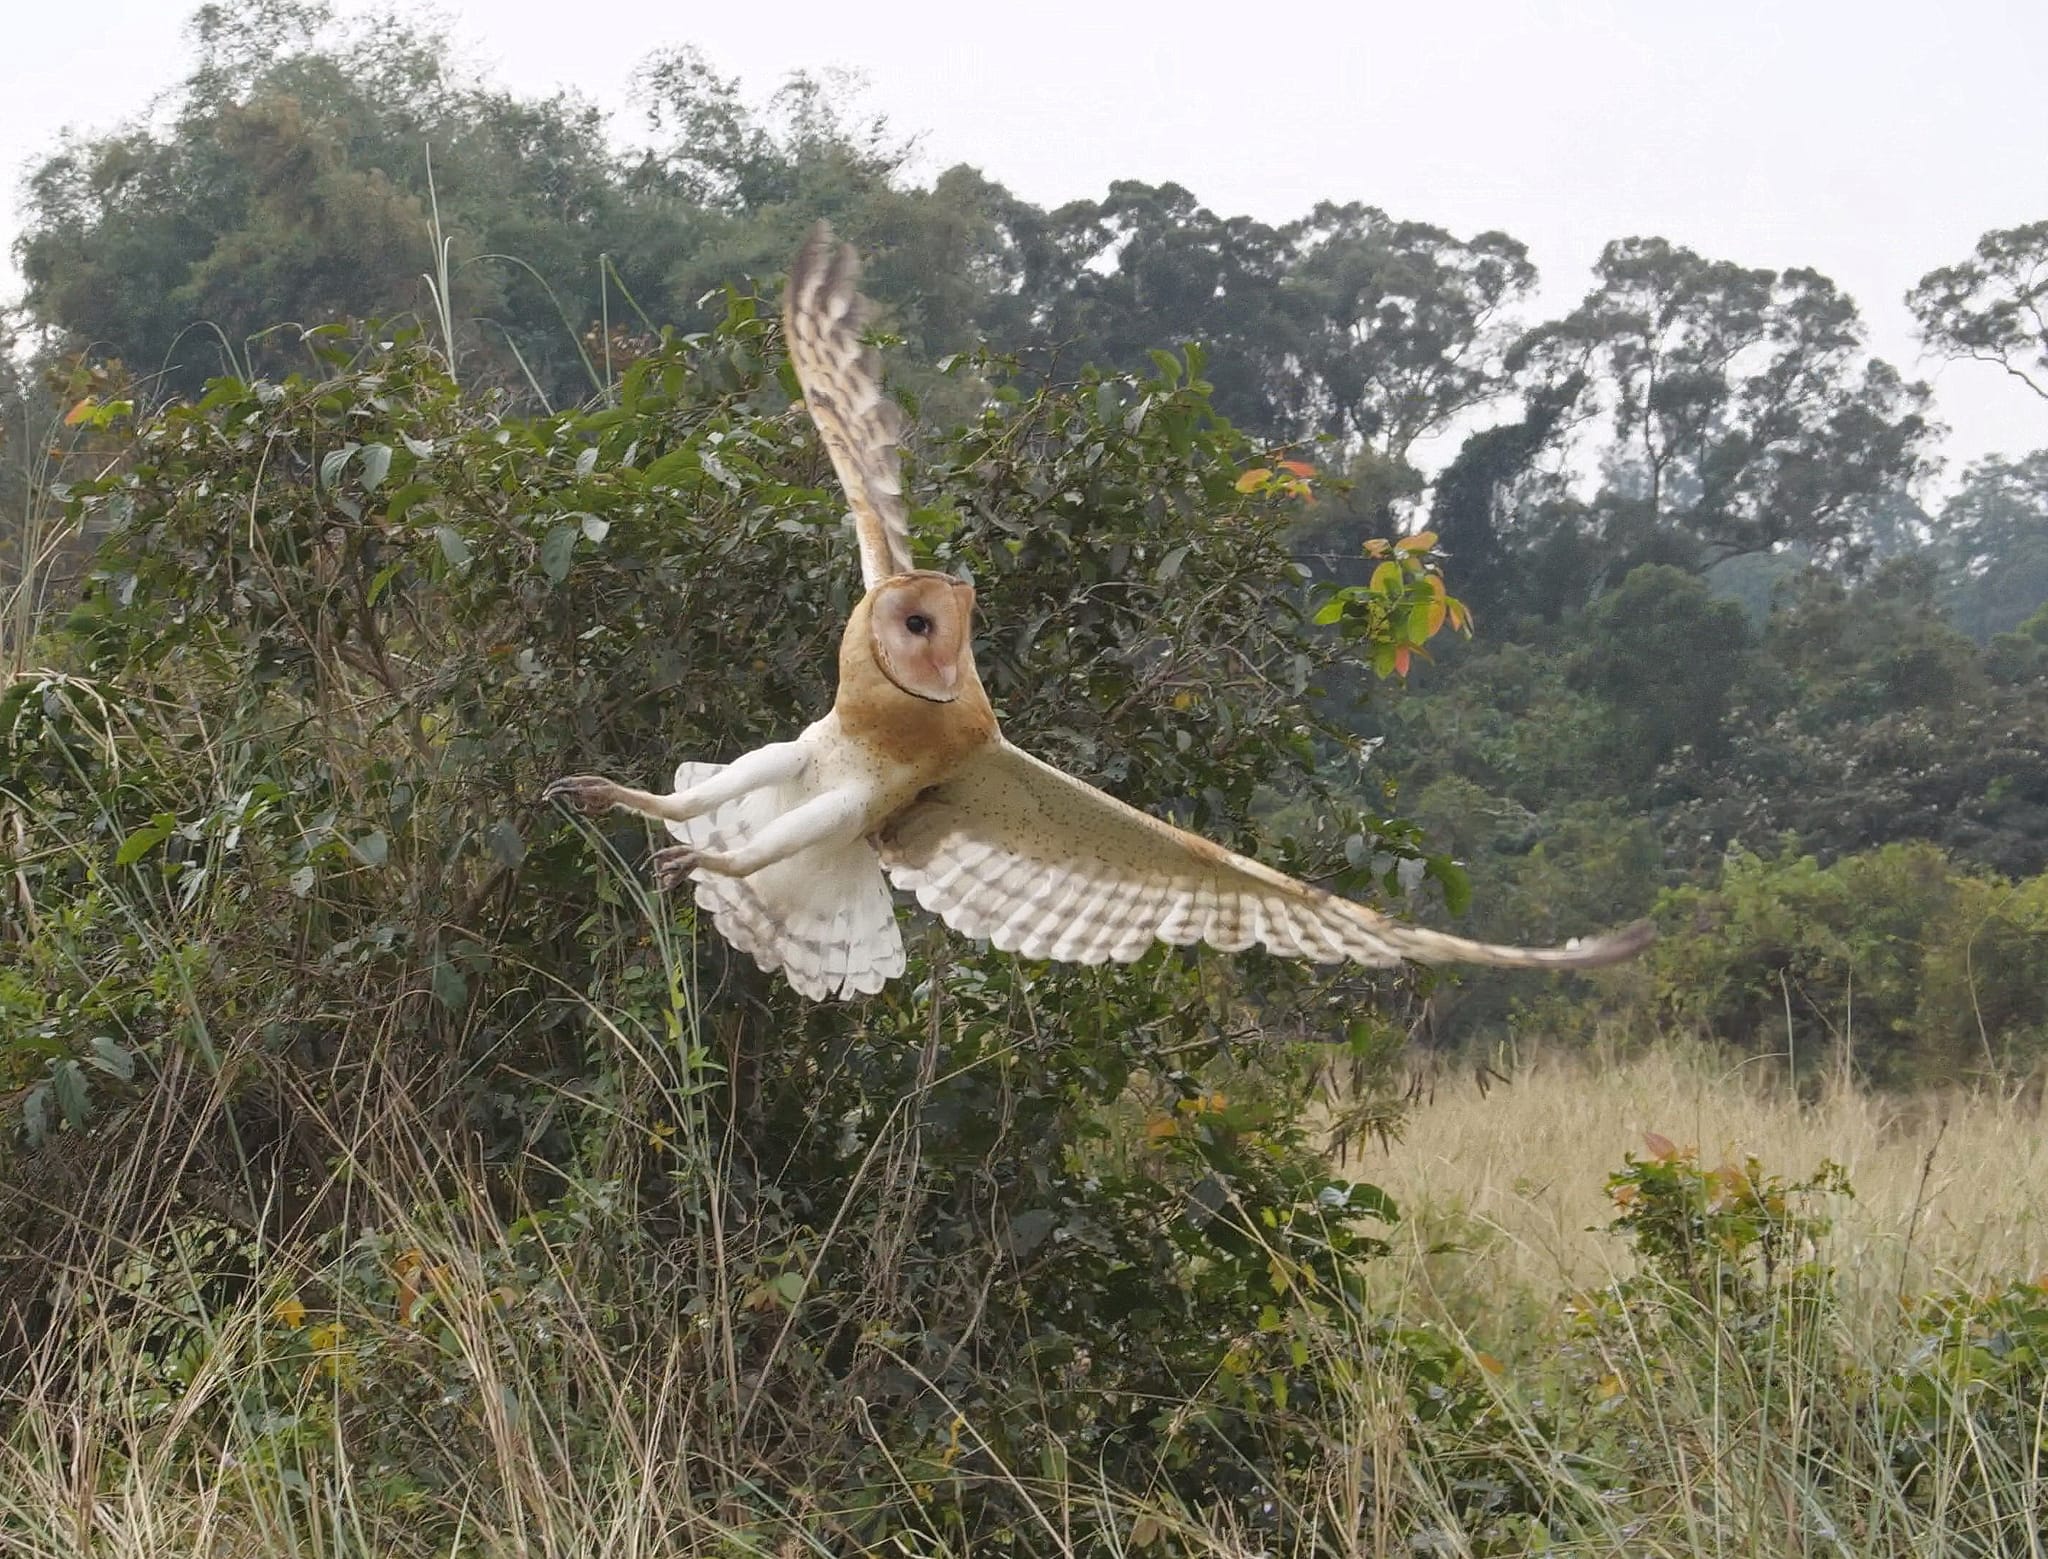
[1870,139]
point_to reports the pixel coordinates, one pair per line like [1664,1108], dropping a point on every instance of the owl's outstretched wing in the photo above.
[1013,849]
[822,316]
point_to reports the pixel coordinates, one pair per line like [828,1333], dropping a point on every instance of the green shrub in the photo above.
[1895,965]
[299,929]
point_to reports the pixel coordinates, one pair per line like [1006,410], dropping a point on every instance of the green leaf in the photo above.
[1456,884]
[373,849]
[450,989]
[1029,1229]
[332,463]
[790,1285]
[1359,1197]
[114,1059]
[35,1115]
[145,839]
[376,466]
[400,503]
[1330,611]
[453,547]
[556,551]
[673,466]
[67,1081]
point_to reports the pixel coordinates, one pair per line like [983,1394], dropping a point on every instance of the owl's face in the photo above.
[921,626]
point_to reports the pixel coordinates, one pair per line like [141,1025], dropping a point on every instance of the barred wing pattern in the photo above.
[822,317]
[1017,851]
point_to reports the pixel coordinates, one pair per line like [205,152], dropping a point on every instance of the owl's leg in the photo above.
[835,817]
[774,764]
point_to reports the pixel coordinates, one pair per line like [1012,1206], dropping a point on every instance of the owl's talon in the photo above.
[672,867]
[587,793]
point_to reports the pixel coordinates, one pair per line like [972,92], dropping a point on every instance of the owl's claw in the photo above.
[588,793]
[672,867]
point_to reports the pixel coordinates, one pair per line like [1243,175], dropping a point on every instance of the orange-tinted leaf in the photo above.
[1376,548]
[1661,1147]
[81,412]
[1436,586]
[1401,660]
[1254,479]
[1437,612]
[1421,541]
[1300,468]
[1387,577]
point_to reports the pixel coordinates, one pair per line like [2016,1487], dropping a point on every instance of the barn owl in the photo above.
[908,780]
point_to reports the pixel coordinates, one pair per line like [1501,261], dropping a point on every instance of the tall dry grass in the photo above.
[1951,1190]
[147,1425]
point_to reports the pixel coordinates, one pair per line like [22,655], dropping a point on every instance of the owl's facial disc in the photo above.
[921,624]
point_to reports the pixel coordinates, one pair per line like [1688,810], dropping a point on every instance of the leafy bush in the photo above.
[1895,964]
[297,929]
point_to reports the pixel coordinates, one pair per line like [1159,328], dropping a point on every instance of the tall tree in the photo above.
[1744,411]
[1150,266]
[1479,494]
[1665,655]
[1995,530]
[1401,324]
[1992,307]
[290,182]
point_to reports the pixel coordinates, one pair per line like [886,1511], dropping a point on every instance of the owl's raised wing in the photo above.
[822,316]
[1015,850]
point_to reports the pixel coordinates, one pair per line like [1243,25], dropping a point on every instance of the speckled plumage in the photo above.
[908,773]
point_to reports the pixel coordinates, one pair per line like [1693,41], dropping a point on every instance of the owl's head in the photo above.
[920,628]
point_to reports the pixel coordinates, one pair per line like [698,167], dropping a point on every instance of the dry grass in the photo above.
[1950,1190]
[512,1423]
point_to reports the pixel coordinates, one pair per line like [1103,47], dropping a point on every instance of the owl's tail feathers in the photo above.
[1437,947]
[823,917]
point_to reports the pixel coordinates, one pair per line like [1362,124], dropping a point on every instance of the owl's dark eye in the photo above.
[918,623]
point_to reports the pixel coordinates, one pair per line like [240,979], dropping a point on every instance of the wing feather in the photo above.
[1014,850]
[823,917]
[823,314]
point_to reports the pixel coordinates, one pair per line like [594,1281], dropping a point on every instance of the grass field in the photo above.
[444,1421]
[1950,1190]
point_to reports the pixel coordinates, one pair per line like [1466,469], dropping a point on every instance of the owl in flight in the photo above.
[793,847]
